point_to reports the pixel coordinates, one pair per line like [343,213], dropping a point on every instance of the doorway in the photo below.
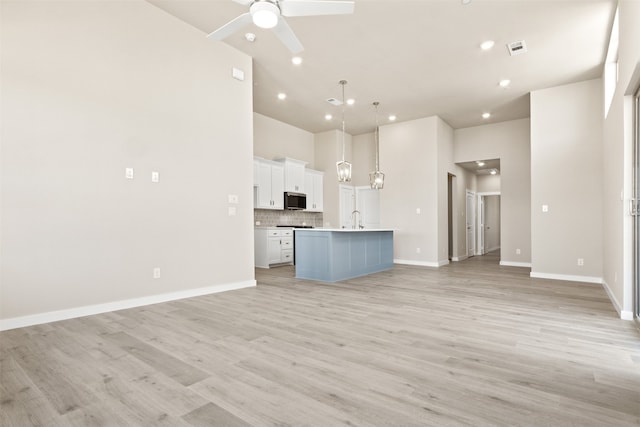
[488,209]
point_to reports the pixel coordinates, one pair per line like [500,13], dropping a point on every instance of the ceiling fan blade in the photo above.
[244,2]
[315,7]
[287,36]
[231,27]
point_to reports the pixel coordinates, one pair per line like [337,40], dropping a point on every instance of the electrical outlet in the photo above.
[418,250]
[156,273]
[518,251]
[545,208]
[155,176]
[580,262]
[233,198]
[128,173]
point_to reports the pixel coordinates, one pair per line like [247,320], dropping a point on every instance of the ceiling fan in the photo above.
[271,13]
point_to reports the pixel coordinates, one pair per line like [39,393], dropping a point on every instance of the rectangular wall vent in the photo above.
[334,101]
[516,48]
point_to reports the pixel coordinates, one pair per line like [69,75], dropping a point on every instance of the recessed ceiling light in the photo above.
[250,37]
[466,2]
[392,118]
[493,172]
[351,101]
[328,117]
[486,115]
[504,83]
[282,95]
[480,163]
[296,60]
[486,45]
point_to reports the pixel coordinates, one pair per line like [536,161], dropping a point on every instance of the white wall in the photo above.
[509,142]
[489,183]
[566,175]
[328,150]
[273,139]
[617,158]
[410,154]
[88,89]
[364,158]
[447,166]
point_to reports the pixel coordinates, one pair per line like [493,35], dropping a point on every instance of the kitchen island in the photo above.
[330,255]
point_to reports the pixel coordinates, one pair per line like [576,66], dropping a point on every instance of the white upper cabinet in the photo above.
[293,175]
[314,187]
[269,190]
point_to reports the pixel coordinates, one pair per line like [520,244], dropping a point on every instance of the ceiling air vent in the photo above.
[516,48]
[334,101]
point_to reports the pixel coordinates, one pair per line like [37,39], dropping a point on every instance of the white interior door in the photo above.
[471,219]
[347,205]
[368,204]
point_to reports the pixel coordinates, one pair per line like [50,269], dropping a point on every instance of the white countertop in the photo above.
[345,230]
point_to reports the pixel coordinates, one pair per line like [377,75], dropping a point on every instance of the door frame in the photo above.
[470,222]
[635,199]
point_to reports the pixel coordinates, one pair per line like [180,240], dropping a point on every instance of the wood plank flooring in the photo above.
[469,344]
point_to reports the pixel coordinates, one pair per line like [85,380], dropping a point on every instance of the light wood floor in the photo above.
[472,344]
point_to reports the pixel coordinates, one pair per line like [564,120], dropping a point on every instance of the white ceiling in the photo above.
[417,58]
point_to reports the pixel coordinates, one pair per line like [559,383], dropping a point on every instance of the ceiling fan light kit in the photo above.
[270,14]
[264,14]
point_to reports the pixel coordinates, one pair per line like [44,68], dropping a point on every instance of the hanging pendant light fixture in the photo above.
[343,167]
[376,178]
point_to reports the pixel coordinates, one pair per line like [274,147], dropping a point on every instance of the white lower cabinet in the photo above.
[273,246]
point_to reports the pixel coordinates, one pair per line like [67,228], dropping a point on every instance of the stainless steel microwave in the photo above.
[295,201]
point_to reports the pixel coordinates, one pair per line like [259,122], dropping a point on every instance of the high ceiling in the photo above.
[417,58]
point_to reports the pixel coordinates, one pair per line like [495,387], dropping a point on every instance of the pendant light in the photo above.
[343,167]
[376,178]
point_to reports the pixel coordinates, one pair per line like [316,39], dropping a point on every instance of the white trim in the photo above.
[515,264]
[420,263]
[567,277]
[88,310]
[459,258]
[624,314]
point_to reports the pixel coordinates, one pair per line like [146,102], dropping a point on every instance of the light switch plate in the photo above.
[545,208]
[128,173]
[233,198]
[232,211]
[237,74]
[155,176]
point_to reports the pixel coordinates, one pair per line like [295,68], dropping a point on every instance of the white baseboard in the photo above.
[459,258]
[515,264]
[624,314]
[88,310]
[567,277]
[419,263]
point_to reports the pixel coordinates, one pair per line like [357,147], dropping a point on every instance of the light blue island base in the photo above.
[330,255]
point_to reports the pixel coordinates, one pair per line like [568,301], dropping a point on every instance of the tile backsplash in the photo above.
[270,218]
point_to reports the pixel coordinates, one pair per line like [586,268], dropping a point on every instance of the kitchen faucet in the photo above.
[353,220]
